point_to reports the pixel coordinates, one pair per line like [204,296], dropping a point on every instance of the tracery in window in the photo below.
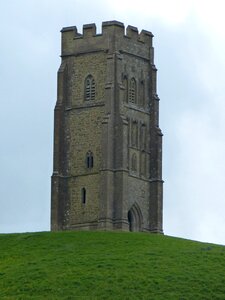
[89,88]
[89,160]
[132,91]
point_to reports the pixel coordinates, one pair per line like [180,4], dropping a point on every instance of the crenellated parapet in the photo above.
[113,37]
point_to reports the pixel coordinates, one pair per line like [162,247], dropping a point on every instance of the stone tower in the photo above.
[107,142]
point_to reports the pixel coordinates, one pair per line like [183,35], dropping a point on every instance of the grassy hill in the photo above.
[109,265]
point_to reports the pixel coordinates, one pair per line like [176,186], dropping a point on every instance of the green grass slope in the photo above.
[109,265]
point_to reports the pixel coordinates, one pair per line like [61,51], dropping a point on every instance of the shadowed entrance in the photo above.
[134,217]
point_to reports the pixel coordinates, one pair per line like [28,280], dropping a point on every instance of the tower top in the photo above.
[71,38]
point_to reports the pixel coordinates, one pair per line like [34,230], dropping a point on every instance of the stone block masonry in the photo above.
[107,172]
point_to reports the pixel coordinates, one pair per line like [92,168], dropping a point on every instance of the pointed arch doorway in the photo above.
[134,217]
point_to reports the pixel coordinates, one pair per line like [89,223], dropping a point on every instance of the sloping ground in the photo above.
[109,265]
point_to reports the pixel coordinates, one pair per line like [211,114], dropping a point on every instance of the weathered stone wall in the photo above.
[124,185]
[85,135]
[81,213]
[138,192]
[82,66]
[138,114]
[84,123]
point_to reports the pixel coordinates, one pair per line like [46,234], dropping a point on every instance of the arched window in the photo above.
[89,88]
[89,160]
[83,195]
[134,162]
[132,91]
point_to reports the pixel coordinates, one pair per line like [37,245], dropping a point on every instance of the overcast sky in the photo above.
[189,54]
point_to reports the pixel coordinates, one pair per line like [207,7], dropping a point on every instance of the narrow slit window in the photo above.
[83,195]
[89,160]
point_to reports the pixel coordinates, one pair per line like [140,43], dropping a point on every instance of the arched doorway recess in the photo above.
[135,218]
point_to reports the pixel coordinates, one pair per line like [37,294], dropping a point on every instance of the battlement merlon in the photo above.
[75,43]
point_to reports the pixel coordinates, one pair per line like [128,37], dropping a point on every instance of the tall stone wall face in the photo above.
[138,192]
[119,127]
[84,134]
[82,66]
[84,215]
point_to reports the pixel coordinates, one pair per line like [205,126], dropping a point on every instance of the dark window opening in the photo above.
[89,160]
[83,195]
[130,220]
